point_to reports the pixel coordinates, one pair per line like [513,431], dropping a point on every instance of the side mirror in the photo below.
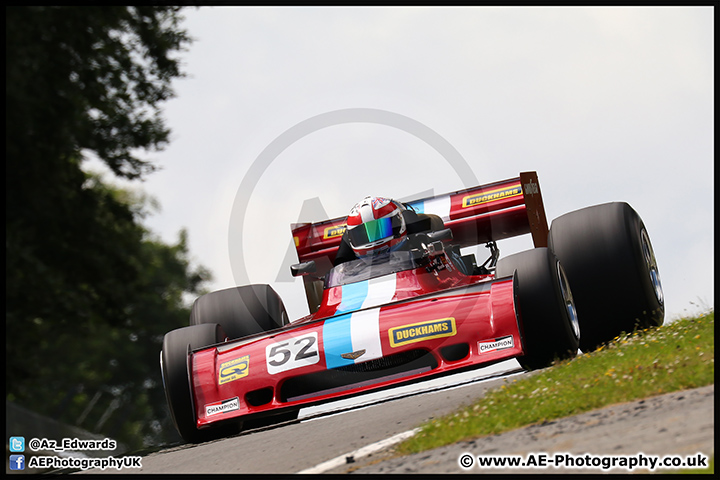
[440,235]
[304,268]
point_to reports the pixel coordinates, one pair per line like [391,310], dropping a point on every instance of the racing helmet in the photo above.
[376,225]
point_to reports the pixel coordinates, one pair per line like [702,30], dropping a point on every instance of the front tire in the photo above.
[550,327]
[241,311]
[175,368]
[606,252]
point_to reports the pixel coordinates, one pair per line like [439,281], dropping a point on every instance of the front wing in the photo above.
[353,353]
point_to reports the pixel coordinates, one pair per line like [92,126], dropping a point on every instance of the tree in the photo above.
[89,78]
[84,81]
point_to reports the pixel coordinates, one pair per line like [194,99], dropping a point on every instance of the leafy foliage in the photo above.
[89,292]
[90,78]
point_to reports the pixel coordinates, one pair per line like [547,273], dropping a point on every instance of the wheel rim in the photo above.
[162,371]
[568,301]
[652,266]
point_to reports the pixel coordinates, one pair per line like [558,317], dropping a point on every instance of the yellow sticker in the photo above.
[334,232]
[418,332]
[487,197]
[234,369]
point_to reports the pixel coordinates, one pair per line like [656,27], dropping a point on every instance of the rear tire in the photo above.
[550,327]
[175,367]
[241,311]
[606,252]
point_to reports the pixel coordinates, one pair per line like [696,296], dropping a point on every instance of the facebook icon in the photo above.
[17,462]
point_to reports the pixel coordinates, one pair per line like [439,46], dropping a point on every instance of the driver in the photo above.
[378,226]
[375,226]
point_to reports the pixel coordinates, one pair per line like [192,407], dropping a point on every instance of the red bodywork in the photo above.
[392,329]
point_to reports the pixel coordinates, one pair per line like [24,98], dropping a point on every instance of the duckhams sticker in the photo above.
[418,332]
[486,197]
[334,232]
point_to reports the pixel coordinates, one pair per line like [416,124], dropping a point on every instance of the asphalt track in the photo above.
[675,427]
[356,436]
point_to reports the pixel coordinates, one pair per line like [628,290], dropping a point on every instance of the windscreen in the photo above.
[359,270]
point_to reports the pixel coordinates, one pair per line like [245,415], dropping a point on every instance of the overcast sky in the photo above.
[606,104]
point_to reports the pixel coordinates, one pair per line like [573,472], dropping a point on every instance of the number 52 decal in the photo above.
[295,352]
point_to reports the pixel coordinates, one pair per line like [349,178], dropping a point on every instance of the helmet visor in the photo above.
[371,231]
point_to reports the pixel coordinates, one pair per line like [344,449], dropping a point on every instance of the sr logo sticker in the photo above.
[417,332]
[234,369]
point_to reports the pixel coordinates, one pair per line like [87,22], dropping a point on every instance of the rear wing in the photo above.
[476,215]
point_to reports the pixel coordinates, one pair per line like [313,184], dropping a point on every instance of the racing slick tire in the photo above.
[549,321]
[241,311]
[606,252]
[174,365]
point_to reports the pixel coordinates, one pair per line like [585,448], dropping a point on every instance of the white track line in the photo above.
[360,453]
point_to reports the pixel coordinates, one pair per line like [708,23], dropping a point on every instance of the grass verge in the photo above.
[676,356]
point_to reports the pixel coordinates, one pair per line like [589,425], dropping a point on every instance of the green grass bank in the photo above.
[677,356]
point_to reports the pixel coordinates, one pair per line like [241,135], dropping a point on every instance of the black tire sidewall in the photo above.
[648,310]
[546,327]
[601,251]
[241,311]
[176,376]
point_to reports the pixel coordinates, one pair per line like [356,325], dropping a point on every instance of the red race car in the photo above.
[421,311]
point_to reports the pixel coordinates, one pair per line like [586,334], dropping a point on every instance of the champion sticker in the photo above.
[418,332]
[503,343]
[221,407]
